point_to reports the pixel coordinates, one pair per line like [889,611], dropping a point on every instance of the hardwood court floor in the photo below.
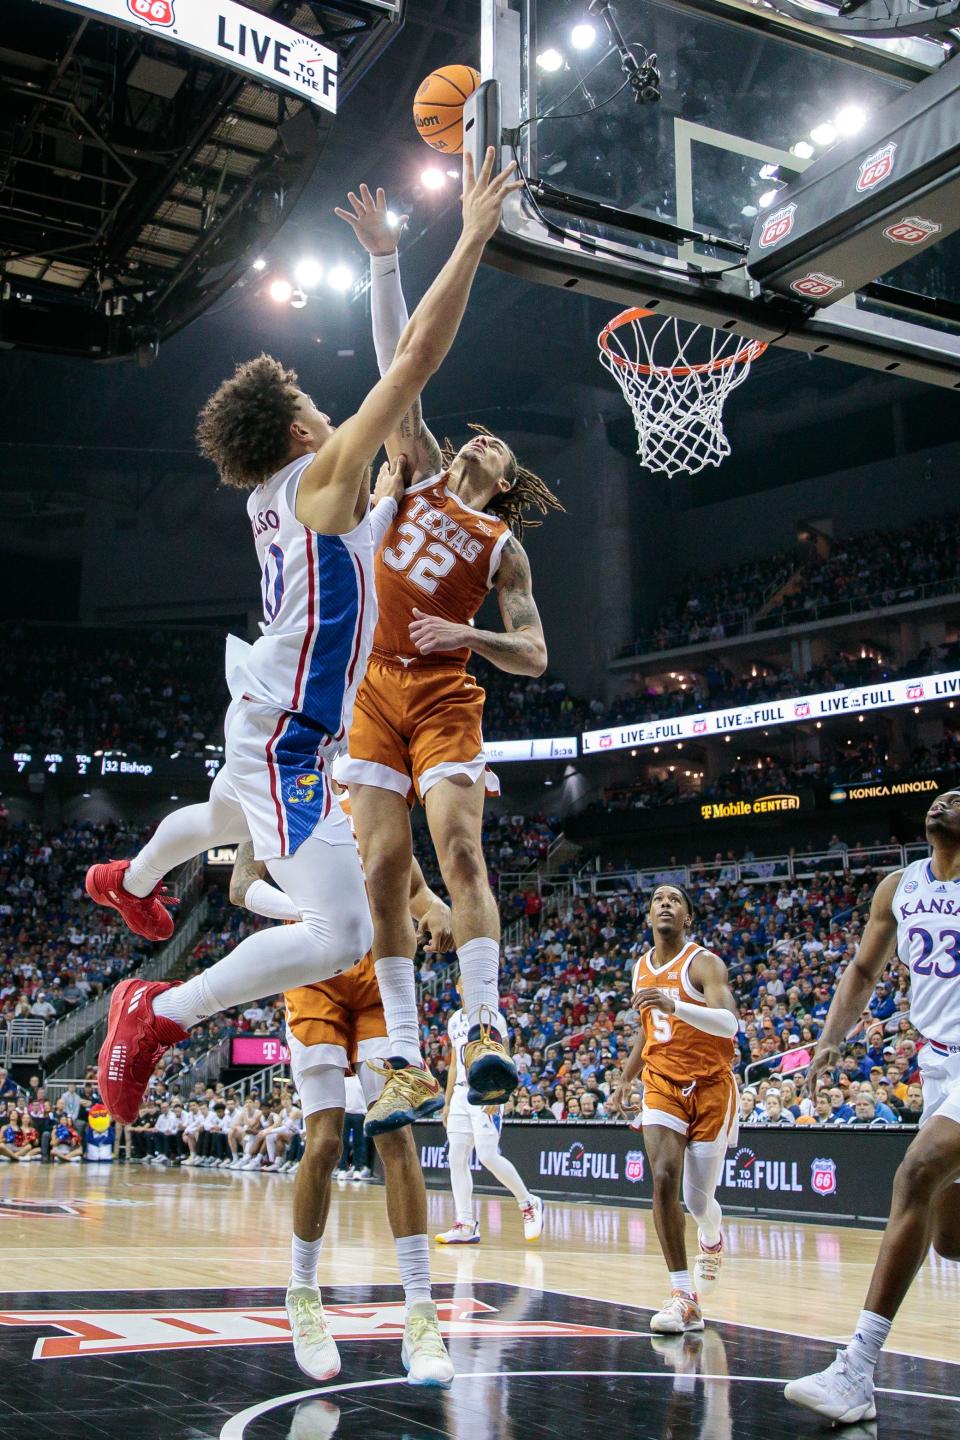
[164,1292]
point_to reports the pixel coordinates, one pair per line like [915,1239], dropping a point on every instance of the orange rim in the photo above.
[752,350]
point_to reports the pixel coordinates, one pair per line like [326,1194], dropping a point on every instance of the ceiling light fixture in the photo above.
[281,291]
[550,60]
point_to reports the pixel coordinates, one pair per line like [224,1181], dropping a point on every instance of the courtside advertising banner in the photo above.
[794,711]
[832,1174]
[259,1050]
[234,35]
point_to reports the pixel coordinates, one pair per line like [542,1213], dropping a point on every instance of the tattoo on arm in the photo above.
[420,444]
[520,649]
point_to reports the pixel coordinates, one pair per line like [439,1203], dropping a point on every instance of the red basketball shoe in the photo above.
[148,916]
[136,1039]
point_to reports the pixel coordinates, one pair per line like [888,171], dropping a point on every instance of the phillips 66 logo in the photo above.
[816,285]
[912,230]
[823,1177]
[633,1166]
[699,727]
[876,168]
[777,227]
[154,12]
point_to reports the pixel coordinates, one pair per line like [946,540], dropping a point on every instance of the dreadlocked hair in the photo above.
[244,428]
[527,490]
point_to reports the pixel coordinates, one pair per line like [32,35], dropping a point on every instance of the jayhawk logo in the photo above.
[303,789]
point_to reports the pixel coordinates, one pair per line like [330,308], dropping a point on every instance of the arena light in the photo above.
[803,150]
[259,263]
[769,172]
[582,36]
[393,219]
[767,198]
[550,60]
[432,178]
[340,278]
[298,300]
[850,120]
[281,292]
[308,274]
[823,134]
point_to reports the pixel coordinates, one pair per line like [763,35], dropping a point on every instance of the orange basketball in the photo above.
[438,106]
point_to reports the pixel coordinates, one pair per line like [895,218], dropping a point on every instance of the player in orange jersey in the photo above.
[330,1026]
[416,731]
[686,1053]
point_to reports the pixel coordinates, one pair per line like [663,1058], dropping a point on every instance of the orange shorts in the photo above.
[705,1111]
[340,1022]
[412,726]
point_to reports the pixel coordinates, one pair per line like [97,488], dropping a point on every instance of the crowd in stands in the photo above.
[57,950]
[143,692]
[861,572]
[866,761]
[566,995]
[565,992]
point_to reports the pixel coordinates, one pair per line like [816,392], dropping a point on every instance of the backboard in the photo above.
[748,99]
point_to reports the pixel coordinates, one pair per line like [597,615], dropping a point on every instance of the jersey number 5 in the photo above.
[436,561]
[662,1029]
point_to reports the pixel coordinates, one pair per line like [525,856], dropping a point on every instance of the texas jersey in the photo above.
[672,1048]
[319,611]
[458,1029]
[927,912]
[440,556]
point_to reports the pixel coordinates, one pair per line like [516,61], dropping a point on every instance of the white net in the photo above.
[676,377]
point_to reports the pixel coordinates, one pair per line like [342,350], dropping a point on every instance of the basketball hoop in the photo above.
[677,407]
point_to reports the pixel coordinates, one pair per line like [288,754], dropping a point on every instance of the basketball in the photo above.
[438,106]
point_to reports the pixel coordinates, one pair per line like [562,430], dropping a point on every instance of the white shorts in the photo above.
[467,1119]
[324,1087]
[941,1085]
[276,772]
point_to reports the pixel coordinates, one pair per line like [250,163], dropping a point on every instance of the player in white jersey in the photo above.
[916,911]
[477,1127]
[293,690]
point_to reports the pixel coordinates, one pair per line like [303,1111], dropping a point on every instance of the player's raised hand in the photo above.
[392,480]
[652,998]
[430,633]
[368,220]
[484,194]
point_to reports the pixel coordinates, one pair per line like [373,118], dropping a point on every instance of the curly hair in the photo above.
[244,428]
[527,490]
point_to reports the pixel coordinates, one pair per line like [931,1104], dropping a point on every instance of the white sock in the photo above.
[480,972]
[864,1349]
[180,836]
[398,991]
[413,1257]
[680,1280]
[304,1259]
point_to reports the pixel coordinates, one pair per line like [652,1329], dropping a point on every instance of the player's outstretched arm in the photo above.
[520,648]
[367,217]
[859,979]
[329,489]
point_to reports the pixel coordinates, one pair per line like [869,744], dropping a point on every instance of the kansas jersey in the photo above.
[927,912]
[458,1029]
[440,556]
[319,610]
[672,1048]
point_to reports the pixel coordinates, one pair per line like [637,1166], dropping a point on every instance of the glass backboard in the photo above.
[748,99]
